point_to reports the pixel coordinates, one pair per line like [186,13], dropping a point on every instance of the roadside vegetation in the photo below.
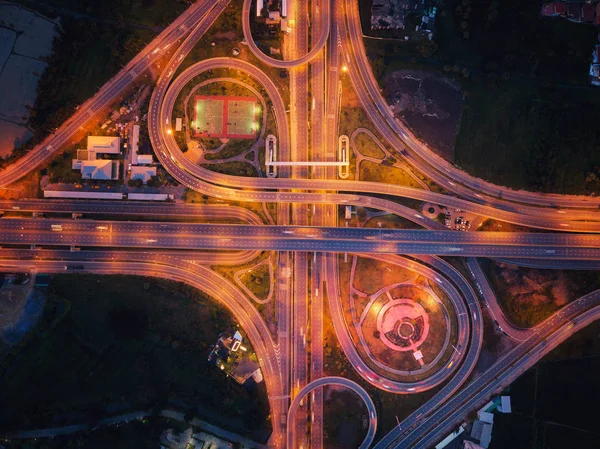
[258,281]
[85,55]
[142,434]
[345,418]
[112,344]
[528,296]
[529,114]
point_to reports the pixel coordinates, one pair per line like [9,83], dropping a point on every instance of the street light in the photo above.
[344,68]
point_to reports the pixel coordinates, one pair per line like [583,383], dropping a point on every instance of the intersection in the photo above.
[308,246]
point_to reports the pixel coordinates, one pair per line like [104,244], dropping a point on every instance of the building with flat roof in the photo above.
[135,140]
[142,172]
[482,432]
[144,159]
[104,144]
[99,169]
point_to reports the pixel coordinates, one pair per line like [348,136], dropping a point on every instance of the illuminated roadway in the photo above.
[431,165]
[434,422]
[553,248]
[300,238]
[337,381]
[316,48]
[225,186]
[108,94]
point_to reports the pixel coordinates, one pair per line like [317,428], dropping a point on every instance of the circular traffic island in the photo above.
[402,324]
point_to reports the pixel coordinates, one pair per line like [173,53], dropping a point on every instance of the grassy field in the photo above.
[366,147]
[85,56]
[258,281]
[344,419]
[150,13]
[372,275]
[234,168]
[142,434]
[389,406]
[233,148]
[524,135]
[119,343]
[371,171]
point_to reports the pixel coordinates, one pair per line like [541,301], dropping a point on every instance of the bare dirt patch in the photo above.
[429,104]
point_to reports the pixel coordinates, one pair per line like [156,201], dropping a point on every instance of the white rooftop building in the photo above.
[505,406]
[135,140]
[142,172]
[144,159]
[104,144]
[100,169]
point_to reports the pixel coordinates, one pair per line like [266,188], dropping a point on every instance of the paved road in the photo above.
[227,187]
[203,278]
[339,381]
[298,60]
[194,236]
[419,155]
[214,213]
[108,94]
[435,421]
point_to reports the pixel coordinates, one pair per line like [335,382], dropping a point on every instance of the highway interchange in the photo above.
[185,251]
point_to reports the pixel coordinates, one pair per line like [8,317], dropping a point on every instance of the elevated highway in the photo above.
[196,236]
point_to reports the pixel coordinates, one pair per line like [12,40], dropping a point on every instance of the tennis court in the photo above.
[208,120]
[241,120]
[223,116]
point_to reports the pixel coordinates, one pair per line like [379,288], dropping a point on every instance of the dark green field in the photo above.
[529,115]
[135,434]
[107,345]
[555,404]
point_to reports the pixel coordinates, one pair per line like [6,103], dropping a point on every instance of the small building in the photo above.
[142,172]
[554,9]
[482,432]
[83,195]
[42,280]
[505,406]
[100,169]
[149,196]
[104,144]
[144,159]
[135,141]
[560,8]
[274,16]
[486,417]
[348,213]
